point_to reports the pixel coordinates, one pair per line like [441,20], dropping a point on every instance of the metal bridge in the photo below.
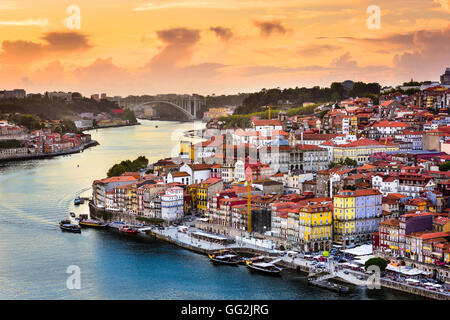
[188,106]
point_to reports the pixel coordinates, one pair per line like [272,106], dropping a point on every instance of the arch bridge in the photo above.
[188,106]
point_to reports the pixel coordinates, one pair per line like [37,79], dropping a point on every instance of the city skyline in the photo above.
[210,47]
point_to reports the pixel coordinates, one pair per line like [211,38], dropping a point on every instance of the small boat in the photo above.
[127,229]
[227,259]
[66,225]
[329,285]
[246,261]
[72,214]
[93,224]
[264,267]
[78,201]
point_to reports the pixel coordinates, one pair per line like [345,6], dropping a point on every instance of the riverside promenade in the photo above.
[187,241]
[332,269]
[78,149]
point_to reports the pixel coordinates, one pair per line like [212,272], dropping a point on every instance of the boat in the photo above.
[226,258]
[78,201]
[116,225]
[329,285]
[66,225]
[72,214]
[264,267]
[127,229]
[92,224]
[246,261]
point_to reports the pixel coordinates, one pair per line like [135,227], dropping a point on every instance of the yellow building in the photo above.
[353,128]
[315,226]
[202,197]
[360,150]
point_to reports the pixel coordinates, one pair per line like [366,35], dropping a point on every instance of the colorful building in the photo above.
[356,215]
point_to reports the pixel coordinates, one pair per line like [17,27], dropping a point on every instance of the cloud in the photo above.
[312,50]
[66,41]
[429,53]
[445,4]
[227,5]
[25,52]
[222,33]
[267,28]
[20,51]
[178,48]
[30,22]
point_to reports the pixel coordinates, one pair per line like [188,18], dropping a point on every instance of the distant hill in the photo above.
[52,109]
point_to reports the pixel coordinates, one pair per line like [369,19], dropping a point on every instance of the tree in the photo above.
[349,162]
[128,166]
[377,261]
[445,166]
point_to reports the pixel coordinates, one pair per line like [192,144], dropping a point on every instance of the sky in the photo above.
[128,47]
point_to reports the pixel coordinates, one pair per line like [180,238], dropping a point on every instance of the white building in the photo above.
[239,171]
[385,184]
[172,204]
[265,127]
[197,172]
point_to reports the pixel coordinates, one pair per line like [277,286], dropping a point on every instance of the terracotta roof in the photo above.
[390,124]
[266,122]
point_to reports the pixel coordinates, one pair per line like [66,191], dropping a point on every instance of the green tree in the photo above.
[377,261]
[445,166]
[350,162]
[128,166]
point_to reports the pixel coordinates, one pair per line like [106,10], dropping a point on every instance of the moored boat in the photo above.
[127,229]
[77,201]
[264,267]
[66,225]
[92,224]
[225,258]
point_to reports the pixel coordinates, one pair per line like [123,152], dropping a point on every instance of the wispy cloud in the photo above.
[30,22]
[225,4]
[445,4]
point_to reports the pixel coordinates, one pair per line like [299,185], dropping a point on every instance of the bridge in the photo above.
[188,106]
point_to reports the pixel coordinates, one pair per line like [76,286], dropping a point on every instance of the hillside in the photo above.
[52,109]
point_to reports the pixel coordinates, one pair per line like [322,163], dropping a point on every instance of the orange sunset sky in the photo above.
[211,46]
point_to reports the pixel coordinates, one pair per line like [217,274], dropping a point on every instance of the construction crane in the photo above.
[249,206]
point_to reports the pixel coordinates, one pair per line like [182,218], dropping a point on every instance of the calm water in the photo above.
[35,254]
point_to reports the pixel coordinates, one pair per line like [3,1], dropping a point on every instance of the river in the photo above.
[34,254]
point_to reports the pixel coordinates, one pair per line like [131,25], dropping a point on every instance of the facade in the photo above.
[356,215]
[361,150]
[315,227]
[172,204]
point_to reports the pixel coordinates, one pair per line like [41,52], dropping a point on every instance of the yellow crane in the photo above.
[249,206]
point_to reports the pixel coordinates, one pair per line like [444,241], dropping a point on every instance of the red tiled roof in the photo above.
[266,122]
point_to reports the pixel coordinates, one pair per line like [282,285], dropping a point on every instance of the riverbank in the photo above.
[113,126]
[184,240]
[79,149]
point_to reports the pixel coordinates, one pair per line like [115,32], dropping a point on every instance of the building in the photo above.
[356,215]
[13,94]
[315,226]
[172,204]
[445,78]
[266,127]
[360,150]
[205,191]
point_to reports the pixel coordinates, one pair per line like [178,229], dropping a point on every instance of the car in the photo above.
[346,272]
[359,277]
